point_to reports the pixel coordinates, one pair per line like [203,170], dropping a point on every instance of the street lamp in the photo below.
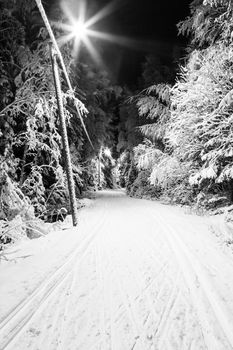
[79,30]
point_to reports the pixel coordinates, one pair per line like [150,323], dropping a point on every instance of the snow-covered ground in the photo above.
[135,275]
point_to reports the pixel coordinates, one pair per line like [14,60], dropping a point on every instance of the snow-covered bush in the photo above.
[202,113]
[189,146]
[17,218]
[146,155]
[154,104]
[141,187]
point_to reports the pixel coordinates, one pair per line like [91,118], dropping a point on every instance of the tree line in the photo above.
[171,137]
[32,178]
[186,155]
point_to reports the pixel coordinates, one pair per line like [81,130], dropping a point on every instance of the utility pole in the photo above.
[60,59]
[68,165]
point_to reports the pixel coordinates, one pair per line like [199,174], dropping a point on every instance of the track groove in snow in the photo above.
[15,322]
[198,283]
[140,276]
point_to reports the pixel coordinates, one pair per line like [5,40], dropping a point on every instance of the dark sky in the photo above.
[151,24]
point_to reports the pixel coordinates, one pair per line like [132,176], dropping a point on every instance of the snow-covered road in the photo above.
[134,275]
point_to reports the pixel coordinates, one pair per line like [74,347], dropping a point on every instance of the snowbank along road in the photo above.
[135,275]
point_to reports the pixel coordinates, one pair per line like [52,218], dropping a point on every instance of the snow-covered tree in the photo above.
[201,117]
[210,21]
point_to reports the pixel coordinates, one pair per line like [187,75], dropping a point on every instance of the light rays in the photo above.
[118,39]
[92,50]
[103,13]
[80,29]
[76,28]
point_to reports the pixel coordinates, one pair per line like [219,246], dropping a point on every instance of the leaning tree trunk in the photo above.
[66,151]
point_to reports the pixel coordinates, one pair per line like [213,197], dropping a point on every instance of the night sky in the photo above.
[151,24]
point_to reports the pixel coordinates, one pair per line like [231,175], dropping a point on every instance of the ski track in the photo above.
[14,323]
[199,284]
[138,280]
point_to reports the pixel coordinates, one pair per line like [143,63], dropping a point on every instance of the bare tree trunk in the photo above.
[66,151]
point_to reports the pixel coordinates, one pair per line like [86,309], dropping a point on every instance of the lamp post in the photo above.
[78,30]
[66,151]
[55,51]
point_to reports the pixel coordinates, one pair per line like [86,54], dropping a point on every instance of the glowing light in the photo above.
[76,28]
[79,30]
[107,152]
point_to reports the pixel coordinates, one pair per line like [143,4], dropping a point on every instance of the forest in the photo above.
[170,138]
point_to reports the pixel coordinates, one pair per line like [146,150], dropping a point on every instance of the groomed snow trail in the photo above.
[134,275]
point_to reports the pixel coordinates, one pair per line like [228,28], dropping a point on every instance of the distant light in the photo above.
[107,152]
